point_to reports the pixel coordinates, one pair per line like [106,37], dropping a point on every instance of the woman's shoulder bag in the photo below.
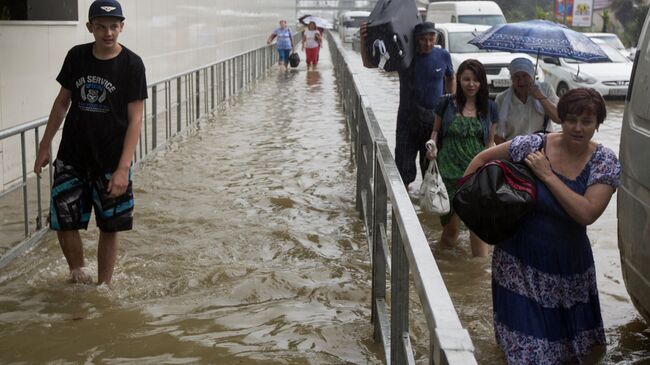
[492,200]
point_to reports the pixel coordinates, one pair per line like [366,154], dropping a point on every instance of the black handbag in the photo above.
[492,200]
[294,59]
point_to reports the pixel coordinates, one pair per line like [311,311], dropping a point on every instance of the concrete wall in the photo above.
[171,36]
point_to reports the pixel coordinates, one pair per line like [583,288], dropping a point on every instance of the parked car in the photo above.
[611,78]
[454,37]
[613,40]
[349,22]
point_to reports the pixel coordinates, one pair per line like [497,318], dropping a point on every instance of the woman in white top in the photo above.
[527,106]
[311,41]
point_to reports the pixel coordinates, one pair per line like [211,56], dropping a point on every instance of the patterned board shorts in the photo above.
[74,194]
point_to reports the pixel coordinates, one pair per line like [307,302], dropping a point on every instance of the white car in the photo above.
[613,40]
[609,78]
[454,37]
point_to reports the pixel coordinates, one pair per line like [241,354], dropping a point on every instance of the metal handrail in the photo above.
[379,186]
[190,97]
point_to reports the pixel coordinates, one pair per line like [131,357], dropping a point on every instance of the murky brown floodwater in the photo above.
[247,249]
[468,279]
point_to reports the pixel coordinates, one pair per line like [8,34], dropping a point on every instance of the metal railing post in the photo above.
[39,221]
[197,90]
[399,296]
[377,253]
[168,112]
[24,166]
[212,85]
[179,105]
[154,117]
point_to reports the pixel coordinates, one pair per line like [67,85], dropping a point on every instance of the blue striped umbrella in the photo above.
[540,37]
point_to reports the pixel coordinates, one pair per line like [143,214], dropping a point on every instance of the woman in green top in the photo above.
[465,123]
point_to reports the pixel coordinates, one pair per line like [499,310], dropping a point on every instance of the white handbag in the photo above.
[433,194]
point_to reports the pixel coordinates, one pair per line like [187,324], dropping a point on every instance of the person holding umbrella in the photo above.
[311,41]
[541,38]
[526,106]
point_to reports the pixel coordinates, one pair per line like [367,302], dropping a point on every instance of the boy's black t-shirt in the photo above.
[96,124]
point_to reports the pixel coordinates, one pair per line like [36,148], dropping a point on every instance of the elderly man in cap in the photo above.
[429,76]
[526,106]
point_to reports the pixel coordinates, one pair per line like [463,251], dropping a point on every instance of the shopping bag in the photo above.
[433,194]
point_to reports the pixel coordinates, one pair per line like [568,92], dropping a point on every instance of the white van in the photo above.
[469,12]
[349,22]
[633,196]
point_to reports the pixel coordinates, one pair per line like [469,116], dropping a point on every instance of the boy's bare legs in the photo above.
[106,257]
[72,248]
[71,245]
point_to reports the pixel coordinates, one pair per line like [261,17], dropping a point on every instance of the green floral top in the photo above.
[463,141]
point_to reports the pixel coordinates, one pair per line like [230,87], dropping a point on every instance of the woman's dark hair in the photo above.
[577,101]
[483,95]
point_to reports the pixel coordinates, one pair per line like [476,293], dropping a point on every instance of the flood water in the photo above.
[247,249]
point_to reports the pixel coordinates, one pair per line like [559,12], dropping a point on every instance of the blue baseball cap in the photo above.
[105,8]
[424,28]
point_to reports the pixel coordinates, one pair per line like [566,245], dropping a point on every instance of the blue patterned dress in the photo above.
[546,308]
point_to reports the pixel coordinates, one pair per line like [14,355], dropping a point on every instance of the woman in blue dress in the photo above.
[546,308]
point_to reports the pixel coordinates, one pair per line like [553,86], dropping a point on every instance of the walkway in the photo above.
[247,249]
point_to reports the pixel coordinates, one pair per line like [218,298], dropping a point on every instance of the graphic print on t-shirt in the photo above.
[93,90]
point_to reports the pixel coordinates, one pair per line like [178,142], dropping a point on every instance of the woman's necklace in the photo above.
[469,112]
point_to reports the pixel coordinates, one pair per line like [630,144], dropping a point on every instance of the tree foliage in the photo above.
[518,10]
[631,14]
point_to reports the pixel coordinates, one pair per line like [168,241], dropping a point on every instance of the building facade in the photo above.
[172,36]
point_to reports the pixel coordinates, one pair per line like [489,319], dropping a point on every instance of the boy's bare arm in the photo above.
[120,179]
[57,114]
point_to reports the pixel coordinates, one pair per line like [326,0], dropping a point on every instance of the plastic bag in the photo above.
[433,194]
